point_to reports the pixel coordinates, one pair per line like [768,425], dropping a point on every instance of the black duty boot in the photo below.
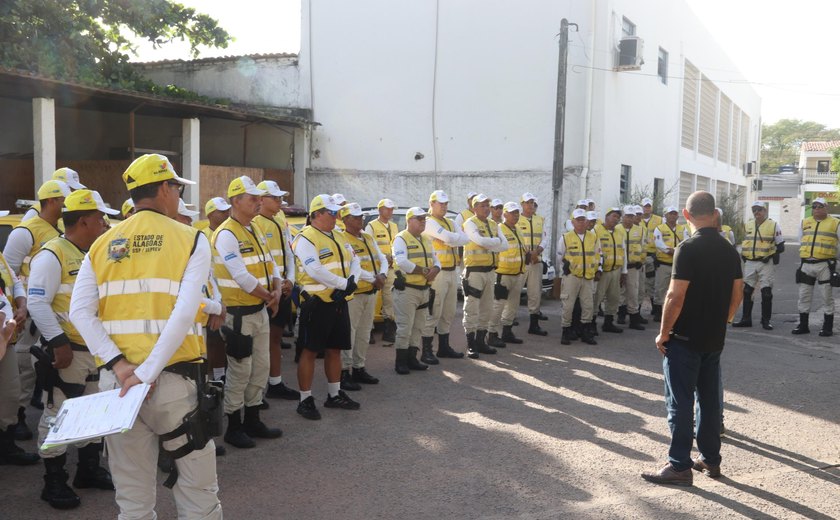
[802,328]
[542,316]
[635,322]
[566,338]
[641,318]
[89,474]
[235,435]
[413,364]
[472,352]
[508,335]
[534,327]
[594,326]
[657,313]
[255,428]
[622,315]
[11,453]
[401,362]
[587,334]
[428,355]
[347,382]
[445,351]
[22,431]
[494,341]
[574,331]
[608,325]
[56,491]
[389,333]
[360,375]
[746,315]
[766,307]
[828,325]
[480,345]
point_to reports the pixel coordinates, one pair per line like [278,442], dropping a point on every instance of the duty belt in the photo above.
[245,310]
[480,269]
[814,261]
[418,287]
[448,268]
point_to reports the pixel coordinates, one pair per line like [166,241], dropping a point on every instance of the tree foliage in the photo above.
[89,41]
[780,142]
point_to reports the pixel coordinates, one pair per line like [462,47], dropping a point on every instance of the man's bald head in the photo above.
[700,204]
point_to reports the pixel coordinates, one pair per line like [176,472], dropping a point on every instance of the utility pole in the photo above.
[559,134]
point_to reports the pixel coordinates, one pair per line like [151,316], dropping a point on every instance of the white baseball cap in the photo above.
[216,204]
[629,210]
[647,202]
[438,196]
[758,204]
[512,206]
[579,212]
[819,200]
[614,208]
[590,201]
[591,215]
[84,200]
[583,202]
[353,209]
[480,198]
[527,196]
[184,210]
[339,198]
[415,212]
[387,203]
[69,176]
[671,209]
[4,213]
[271,188]
[323,201]
[496,203]
[638,210]
[471,194]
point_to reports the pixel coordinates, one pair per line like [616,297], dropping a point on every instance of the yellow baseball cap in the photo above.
[150,168]
[69,176]
[86,200]
[53,190]
[438,196]
[216,204]
[388,203]
[272,188]
[323,201]
[127,206]
[241,185]
[352,209]
[415,212]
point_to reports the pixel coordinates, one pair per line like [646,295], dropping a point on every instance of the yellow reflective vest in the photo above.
[672,239]
[334,253]
[447,255]
[612,246]
[6,274]
[759,241]
[253,246]
[580,254]
[139,266]
[650,225]
[531,231]
[512,260]
[634,244]
[421,253]
[70,258]
[384,234]
[474,254]
[466,215]
[42,232]
[364,248]
[819,238]
[275,236]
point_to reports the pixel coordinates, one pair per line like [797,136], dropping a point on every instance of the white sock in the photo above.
[304,395]
[333,388]
[275,380]
[218,373]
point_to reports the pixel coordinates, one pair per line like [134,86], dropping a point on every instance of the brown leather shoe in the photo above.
[707,469]
[669,475]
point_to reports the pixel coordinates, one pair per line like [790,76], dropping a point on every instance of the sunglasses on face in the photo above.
[331,212]
[178,185]
[817,206]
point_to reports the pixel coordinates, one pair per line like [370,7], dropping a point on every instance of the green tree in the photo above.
[88,41]
[780,142]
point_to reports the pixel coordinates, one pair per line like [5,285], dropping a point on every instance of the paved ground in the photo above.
[539,431]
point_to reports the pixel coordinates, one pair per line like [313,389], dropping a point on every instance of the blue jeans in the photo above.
[686,371]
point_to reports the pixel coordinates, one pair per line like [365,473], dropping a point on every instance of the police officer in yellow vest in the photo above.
[479,277]
[634,249]
[666,238]
[136,304]
[613,240]
[819,236]
[511,271]
[465,214]
[650,221]
[24,241]
[637,220]
[217,210]
[760,250]
[272,220]
[251,286]
[417,267]
[578,257]
[447,239]
[384,230]
[374,272]
[52,275]
[327,272]
[532,230]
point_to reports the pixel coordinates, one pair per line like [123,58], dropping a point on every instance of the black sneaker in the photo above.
[308,410]
[281,391]
[342,400]
[360,375]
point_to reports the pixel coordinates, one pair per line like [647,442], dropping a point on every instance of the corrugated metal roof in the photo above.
[218,59]
[819,146]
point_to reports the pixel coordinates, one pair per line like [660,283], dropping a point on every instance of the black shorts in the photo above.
[325,326]
[284,313]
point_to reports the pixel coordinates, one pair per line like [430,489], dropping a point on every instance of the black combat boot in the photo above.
[347,383]
[508,336]
[361,375]
[594,326]
[257,429]
[89,474]
[608,325]
[401,362]
[635,322]
[828,325]
[802,328]
[587,334]
[22,431]
[389,332]
[428,355]
[235,435]
[622,315]
[566,338]
[746,315]
[657,313]
[11,453]
[494,341]
[445,351]
[534,327]
[472,352]
[480,345]
[766,307]
[56,491]
[413,364]
[641,318]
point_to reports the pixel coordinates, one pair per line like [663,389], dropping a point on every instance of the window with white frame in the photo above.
[624,186]
[628,28]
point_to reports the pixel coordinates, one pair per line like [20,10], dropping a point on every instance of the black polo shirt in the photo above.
[710,264]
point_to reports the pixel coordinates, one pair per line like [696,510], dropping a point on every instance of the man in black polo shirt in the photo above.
[702,298]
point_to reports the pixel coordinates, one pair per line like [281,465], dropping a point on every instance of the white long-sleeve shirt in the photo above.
[44,283]
[18,246]
[660,242]
[400,249]
[382,260]
[17,290]
[561,251]
[308,256]
[228,248]
[454,238]
[84,307]
[497,244]
[212,306]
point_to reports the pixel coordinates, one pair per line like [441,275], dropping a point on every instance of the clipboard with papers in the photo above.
[96,415]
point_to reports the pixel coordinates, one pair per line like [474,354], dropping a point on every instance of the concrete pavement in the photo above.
[538,431]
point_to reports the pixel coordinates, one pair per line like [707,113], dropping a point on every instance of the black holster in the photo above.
[399,281]
[804,278]
[49,378]
[500,292]
[834,280]
[469,290]
[237,345]
[431,302]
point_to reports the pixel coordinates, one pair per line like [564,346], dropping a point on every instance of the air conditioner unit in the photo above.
[630,53]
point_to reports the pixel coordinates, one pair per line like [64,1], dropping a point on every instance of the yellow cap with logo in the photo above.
[241,185]
[216,204]
[127,207]
[69,176]
[323,201]
[53,190]
[151,168]
[87,200]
